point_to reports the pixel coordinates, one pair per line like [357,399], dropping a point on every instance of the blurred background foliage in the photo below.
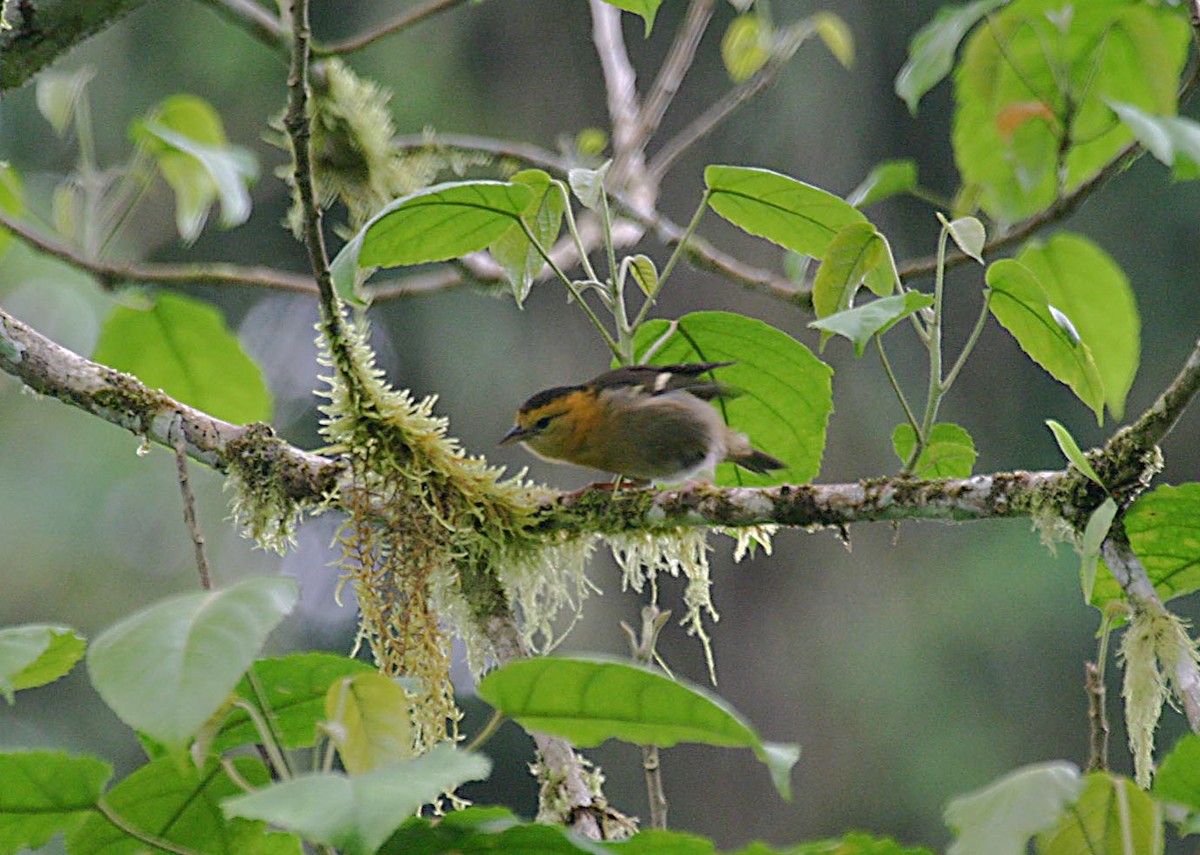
[912,662]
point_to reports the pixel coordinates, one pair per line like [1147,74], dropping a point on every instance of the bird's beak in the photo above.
[516,434]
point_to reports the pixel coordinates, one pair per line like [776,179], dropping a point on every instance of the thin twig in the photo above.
[401,21]
[679,59]
[255,19]
[643,648]
[628,171]
[110,273]
[726,106]
[1097,718]
[189,503]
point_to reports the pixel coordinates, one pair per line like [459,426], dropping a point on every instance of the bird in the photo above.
[644,422]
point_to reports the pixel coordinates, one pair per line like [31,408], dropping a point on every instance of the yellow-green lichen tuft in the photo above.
[261,503]
[1155,644]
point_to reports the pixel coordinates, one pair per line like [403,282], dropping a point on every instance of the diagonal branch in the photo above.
[402,21]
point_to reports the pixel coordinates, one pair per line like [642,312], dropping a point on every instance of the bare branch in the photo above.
[255,19]
[402,21]
[189,504]
[123,400]
[675,67]
[110,273]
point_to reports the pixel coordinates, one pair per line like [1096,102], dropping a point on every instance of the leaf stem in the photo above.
[489,729]
[972,340]
[887,368]
[934,344]
[676,254]
[133,831]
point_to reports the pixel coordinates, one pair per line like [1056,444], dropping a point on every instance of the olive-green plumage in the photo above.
[643,421]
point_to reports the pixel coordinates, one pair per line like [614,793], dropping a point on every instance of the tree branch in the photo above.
[402,21]
[255,19]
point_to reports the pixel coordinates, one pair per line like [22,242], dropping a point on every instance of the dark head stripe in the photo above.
[541,399]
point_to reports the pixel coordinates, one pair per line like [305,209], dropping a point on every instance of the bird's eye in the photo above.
[542,423]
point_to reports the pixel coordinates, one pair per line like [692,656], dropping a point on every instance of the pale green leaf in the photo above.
[442,222]
[1112,816]
[1083,282]
[785,392]
[58,94]
[1163,527]
[293,698]
[518,256]
[12,201]
[1173,140]
[1019,303]
[589,700]
[890,178]
[588,184]
[1094,533]
[1072,452]
[790,213]
[745,47]
[855,251]
[1031,72]
[646,9]
[178,803]
[45,794]
[36,654]
[1001,818]
[644,273]
[357,814]
[833,31]
[1178,778]
[480,830]
[931,51]
[949,453]
[861,323]
[370,720]
[968,235]
[182,346]
[166,669]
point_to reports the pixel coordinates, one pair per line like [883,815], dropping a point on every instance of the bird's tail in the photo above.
[740,451]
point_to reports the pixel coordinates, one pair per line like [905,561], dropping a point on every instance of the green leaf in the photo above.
[1173,140]
[346,273]
[652,841]
[787,212]
[357,814]
[179,804]
[182,346]
[294,688]
[36,654]
[187,139]
[44,794]
[950,452]
[513,249]
[888,179]
[851,844]
[589,700]
[855,251]
[442,222]
[1163,527]
[1097,529]
[58,94]
[875,318]
[647,9]
[1178,778]
[1000,818]
[370,721]
[931,51]
[1032,71]
[1071,451]
[168,668]
[1112,816]
[786,392]
[1085,283]
[746,46]
[1020,304]
[477,830]
[588,184]
[833,31]
[968,235]
[644,273]
[11,201]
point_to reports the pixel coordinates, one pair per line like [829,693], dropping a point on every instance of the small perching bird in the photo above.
[649,422]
